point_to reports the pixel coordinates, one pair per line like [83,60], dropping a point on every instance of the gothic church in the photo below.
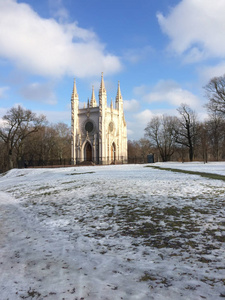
[99,132]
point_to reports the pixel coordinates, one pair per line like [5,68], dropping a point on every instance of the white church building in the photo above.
[98,132]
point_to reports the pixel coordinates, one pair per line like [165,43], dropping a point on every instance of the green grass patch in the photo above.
[81,173]
[68,182]
[148,277]
[202,174]
[41,188]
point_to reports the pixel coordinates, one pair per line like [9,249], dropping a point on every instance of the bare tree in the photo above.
[138,150]
[160,131]
[186,129]
[216,130]
[215,92]
[3,157]
[62,140]
[51,144]
[145,148]
[203,140]
[133,151]
[18,124]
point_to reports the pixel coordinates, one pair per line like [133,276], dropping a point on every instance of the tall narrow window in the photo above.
[88,150]
[113,152]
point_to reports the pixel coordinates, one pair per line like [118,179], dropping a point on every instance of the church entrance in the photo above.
[88,150]
[113,153]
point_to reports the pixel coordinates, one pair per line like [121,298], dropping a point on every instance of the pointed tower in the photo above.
[119,99]
[111,105]
[102,93]
[102,112]
[74,121]
[122,128]
[93,100]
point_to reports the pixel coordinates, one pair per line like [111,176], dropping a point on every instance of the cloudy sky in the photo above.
[162,52]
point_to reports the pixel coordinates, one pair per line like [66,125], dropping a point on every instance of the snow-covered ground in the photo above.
[112,232]
[210,167]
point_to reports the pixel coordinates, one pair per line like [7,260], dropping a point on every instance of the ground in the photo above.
[112,232]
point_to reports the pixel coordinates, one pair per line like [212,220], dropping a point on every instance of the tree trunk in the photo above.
[10,160]
[191,153]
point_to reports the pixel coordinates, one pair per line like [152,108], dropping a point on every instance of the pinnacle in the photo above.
[93,100]
[74,94]
[102,85]
[118,96]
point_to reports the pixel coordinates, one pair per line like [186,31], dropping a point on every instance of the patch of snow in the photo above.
[112,232]
[210,167]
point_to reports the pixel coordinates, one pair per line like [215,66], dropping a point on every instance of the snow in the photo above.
[112,232]
[210,167]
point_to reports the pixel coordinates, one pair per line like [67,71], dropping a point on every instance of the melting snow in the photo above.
[112,232]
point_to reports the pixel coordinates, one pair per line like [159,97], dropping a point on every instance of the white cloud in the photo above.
[39,92]
[208,72]
[169,91]
[131,105]
[144,116]
[130,133]
[52,116]
[3,123]
[137,122]
[2,91]
[138,54]
[2,113]
[141,90]
[49,48]
[56,116]
[58,10]
[196,29]
[164,98]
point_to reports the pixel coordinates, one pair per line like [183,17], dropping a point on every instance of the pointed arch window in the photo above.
[113,152]
[88,152]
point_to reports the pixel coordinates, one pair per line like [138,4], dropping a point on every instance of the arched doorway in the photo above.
[113,153]
[88,152]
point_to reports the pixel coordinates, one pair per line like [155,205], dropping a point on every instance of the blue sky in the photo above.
[162,52]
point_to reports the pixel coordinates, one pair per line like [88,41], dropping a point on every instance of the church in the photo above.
[98,132]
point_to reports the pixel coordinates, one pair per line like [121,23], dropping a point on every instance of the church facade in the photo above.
[98,132]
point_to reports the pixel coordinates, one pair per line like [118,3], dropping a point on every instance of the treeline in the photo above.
[185,138]
[29,140]
[181,138]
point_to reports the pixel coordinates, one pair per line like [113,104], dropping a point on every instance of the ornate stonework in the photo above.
[98,133]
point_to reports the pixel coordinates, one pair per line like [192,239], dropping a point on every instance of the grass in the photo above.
[81,173]
[202,174]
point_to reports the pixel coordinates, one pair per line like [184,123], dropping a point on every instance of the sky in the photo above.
[162,52]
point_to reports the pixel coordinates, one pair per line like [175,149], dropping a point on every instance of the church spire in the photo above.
[93,100]
[74,122]
[74,94]
[102,85]
[119,98]
[102,94]
[111,106]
